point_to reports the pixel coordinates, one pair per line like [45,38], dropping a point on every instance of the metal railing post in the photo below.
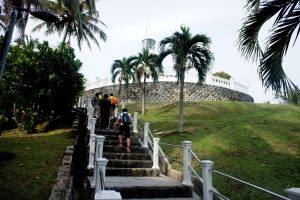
[207,179]
[187,161]
[146,128]
[155,153]
[135,122]
[100,175]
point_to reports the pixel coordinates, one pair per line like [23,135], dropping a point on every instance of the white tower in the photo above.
[149,43]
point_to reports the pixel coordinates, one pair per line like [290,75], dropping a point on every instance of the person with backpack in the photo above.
[113,101]
[124,120]
[95,103]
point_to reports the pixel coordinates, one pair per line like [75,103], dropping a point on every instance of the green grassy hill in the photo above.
[259,143]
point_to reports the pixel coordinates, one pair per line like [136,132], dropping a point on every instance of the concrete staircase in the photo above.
[132,175]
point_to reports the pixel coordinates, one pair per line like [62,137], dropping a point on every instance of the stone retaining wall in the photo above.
[168,92]
[67,174]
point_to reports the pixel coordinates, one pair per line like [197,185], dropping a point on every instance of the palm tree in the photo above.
[28,43]
[75,20]
[22,19]
[146,66]
[188,52]
[270,58]
[122,71]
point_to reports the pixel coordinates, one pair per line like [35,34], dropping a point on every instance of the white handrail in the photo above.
[206,167]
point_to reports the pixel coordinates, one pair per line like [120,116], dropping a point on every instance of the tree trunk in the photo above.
[143,96]
[119,91]
[180,117]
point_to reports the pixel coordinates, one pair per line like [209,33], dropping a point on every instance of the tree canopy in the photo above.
[44,81]
[285,26]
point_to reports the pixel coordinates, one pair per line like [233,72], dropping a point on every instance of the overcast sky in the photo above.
[126,22]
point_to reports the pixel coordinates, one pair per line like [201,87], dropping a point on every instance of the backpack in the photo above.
[125,119]
[113,100]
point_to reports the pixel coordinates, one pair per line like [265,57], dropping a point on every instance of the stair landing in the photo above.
[160,187]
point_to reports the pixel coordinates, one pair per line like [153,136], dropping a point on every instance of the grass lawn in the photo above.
[32,172]
[259,143]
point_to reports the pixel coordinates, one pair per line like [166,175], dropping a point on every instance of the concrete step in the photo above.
[148,187]
[117,149]
[127,156]
[116,142]
[106,132]
[116,137]
[110,171]
[129,163]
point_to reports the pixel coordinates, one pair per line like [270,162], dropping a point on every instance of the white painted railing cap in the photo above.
[293,193]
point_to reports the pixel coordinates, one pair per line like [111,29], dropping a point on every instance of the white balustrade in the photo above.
[99,146]
[100,174]
[89,104]
[207,179]
[79,102]
[135,122]
[92,151]
[146,129]
[100,192]
[293,193]
[82,102]
[90,115]
[187,161]
[155,153]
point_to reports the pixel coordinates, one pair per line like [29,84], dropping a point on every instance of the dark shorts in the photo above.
[126,130]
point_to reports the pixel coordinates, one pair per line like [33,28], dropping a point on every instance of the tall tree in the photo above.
[146,66]
[44,81]
[270,58]
[6,7]
[188,52]
[122,71]
[76,20]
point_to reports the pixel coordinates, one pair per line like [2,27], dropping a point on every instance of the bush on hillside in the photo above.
[43,81]
[222,74]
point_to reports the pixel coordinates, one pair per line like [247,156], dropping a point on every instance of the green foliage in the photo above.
[188,52]
[245,140]
[283,30]
[292,98]
[222,74]
[44,82]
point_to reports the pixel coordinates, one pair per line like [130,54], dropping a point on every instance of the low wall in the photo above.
[168,92]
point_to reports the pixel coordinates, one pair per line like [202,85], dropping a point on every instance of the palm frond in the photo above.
[248,38]
[271,71]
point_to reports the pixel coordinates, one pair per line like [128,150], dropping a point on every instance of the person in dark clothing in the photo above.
[105,110]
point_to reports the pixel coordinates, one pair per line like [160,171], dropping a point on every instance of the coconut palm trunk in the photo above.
[143,96]
[181,106]
[188,52]
[120,90]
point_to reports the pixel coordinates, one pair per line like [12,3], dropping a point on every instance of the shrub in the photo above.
[222,74]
